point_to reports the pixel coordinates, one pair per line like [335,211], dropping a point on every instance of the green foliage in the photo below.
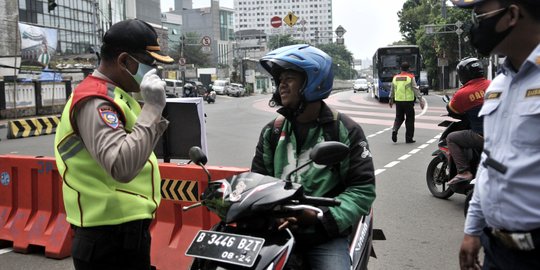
[192,51]
[342,60]
[413,17]
[278,41]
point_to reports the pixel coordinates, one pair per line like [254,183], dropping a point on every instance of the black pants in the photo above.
[500,257]
[405,112]
[458,141]
[123,246]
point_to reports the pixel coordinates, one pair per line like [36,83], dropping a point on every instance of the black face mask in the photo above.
[484,37]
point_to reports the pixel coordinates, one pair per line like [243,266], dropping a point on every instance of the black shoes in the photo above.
[410,141]
[394,136]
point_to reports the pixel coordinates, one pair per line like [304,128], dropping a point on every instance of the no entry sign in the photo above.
[275,21]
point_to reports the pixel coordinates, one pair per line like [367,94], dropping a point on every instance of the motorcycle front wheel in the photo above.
[436,177]
[272,103]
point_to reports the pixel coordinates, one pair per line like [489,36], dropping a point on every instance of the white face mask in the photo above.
[141,70]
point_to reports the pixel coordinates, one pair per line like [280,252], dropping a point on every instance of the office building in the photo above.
[311,19]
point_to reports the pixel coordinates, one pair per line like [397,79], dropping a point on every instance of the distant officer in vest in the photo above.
[104,151]
[404,92]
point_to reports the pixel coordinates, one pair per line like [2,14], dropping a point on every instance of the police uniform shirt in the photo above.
[511,110]
[120,153]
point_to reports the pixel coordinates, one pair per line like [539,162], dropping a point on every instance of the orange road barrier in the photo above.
[31,205]
[32,209]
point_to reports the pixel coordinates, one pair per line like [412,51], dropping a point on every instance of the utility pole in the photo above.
[183,70]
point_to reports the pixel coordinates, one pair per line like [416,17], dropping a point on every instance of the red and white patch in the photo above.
[109,116]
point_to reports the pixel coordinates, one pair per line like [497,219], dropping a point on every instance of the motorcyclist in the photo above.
[466,104]
[189,90]
[304,78]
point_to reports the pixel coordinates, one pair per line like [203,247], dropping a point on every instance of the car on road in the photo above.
[360,85]
[236,90]
[173,88]
[221,87]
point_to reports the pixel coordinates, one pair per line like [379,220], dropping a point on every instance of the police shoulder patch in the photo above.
[109,115]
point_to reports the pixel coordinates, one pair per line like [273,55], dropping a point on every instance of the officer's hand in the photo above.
[153,89]
[468,254]
[422,103]
[390,103]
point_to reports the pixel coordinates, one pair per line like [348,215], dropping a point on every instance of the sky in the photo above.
[369,24]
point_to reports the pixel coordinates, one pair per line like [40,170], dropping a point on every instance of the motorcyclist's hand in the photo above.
[153,89]
[303,219]
[468,254]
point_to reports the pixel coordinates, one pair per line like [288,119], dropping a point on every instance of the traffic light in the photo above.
[51,5]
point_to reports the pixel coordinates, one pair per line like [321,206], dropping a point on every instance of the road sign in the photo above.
[276,21]
[206,41]
[182,61]
[290,19]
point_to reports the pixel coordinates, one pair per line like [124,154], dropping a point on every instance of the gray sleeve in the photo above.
[416,90]
[120,153]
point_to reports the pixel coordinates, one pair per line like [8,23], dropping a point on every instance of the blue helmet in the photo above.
[314,63]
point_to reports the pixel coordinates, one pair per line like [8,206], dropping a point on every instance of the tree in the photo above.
[192,50]
[342,60]
[413,17]
[278,41]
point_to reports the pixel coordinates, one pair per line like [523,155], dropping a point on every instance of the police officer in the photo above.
[404,92]
[104,151]
[504,213]
[466,104]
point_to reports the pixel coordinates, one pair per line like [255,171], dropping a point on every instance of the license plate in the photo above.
[226,247]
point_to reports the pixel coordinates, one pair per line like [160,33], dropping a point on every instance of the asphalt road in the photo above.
[422,232]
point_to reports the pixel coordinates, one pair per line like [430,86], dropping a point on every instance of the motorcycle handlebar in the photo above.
[320,201]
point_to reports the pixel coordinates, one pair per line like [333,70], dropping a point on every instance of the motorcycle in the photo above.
[442,168]
[210,96]
[248,205]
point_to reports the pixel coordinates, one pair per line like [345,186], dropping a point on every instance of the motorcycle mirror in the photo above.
[197,155]
[325,153]
[329,153]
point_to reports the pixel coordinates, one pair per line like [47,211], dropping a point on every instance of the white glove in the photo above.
[153,89]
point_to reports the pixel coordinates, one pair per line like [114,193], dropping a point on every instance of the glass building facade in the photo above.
[80,23]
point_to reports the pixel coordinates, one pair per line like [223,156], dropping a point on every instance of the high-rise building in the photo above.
[312,19]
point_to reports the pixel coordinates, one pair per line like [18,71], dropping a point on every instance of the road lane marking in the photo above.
[423,146]
[404,157]
[391,164]
[378,171]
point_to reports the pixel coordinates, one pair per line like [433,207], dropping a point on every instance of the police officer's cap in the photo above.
[136,35]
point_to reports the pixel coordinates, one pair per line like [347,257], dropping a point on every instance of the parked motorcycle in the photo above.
[248,205]
[442,168]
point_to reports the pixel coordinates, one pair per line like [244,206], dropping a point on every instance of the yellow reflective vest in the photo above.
[402,84]
[91,196]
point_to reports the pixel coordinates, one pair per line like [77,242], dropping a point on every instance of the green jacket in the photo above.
[353,185]
[91,196]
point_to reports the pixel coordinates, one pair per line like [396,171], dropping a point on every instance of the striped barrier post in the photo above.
[36,126]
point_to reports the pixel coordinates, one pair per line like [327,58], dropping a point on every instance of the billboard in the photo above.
[38,44]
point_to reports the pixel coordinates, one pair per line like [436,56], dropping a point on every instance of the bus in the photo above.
[386,64]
